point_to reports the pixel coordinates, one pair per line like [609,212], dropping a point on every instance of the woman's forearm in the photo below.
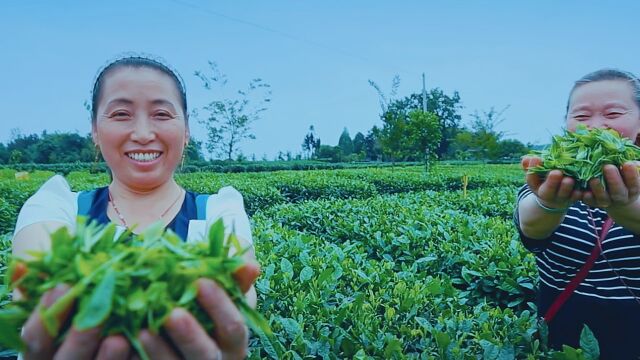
[536,222]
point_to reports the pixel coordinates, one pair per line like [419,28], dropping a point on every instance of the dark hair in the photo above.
[609,74]
[136,61]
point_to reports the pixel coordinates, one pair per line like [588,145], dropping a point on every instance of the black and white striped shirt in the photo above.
[560,257]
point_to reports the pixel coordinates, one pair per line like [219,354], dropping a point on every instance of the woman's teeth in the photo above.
[143,156]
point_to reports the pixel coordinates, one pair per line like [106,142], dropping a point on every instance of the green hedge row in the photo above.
[265,189]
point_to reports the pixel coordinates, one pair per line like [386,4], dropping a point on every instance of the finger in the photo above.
[589,199]
[529,161]
[600,196]
[18,271]
[230,330]
[533,180]
[39,344]
[565,189]
[79,344]
[616,187]
[549,189]
[114,348]
[576,195]
[247,275]
[189,337]
[155,346]
[631,178]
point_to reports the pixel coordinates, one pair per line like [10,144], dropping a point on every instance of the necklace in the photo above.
[124,222]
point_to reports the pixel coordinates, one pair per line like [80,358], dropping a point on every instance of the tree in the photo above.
[15,157]
[193,152]
[24,144]
[229,120]
[415,137]
[382,98]
[424,135]
[372,146]
[345,143]
[309,146]
[511,149]
[486,136]
[358,143]
[331,153]
[445,107]
[484,141]
[4,154]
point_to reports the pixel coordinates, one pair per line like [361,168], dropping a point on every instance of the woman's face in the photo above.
[605,104]
[140,126]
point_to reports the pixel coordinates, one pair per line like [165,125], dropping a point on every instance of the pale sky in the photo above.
[317,57]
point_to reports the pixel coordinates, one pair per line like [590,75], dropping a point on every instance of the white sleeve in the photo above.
[54,201]
[229,205]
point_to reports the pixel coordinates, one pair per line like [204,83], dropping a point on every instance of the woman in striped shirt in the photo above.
[561,224]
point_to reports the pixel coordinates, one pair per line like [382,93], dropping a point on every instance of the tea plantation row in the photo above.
[378,263]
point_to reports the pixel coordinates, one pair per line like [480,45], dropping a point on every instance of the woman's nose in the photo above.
[143,131]
[598,121]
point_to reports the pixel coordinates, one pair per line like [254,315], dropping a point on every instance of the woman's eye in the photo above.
[614,114]
[163,115]
[119,115]
[581,117]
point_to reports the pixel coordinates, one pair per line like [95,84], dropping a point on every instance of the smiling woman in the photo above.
[587,241]
[140,125]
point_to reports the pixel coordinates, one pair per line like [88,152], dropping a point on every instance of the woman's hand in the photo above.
[556,190]
[623,187]
[190,341]
[86,344]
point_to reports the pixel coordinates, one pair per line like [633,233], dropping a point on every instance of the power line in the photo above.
[276,32]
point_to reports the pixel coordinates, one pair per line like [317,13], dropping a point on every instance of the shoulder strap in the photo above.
[85,199]
[580,276]
[201,206]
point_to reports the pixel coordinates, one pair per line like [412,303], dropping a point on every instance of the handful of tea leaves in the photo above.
[125,285]
[582,154]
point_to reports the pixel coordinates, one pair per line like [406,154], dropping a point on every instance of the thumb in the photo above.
[17,271]
[529,161]
[247,275]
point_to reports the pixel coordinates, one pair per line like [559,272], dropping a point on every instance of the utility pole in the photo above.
[424,95]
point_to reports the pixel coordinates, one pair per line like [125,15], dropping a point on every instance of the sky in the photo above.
[317,56]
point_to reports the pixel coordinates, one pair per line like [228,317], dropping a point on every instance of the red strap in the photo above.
[581,275]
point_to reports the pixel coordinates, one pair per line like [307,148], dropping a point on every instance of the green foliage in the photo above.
[125,285]
[483,141]
[358,143]
[415,136]
[311,144]
[228,121]
[345,143]
[7,215]
[48,149]
[382,262]
[582,154]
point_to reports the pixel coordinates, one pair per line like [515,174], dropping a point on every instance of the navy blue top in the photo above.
[179,224]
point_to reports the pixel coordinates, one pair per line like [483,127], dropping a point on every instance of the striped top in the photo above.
[560,257]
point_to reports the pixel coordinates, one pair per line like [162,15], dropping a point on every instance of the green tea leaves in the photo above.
[583,153]
[216,238]
[126,285]
[97,307]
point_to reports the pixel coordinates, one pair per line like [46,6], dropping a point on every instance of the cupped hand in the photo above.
[87,344]
[623,187]
[188,338]
[554,191]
